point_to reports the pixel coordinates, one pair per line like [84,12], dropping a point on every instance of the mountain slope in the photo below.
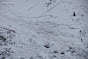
[43,29]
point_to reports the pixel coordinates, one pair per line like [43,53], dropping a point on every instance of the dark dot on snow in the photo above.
[70,47]
[74,14]
[62,53]
[68,50]
[72,28]
[55,51]
[47,46]
[81,40]
[80,31]
[72,51]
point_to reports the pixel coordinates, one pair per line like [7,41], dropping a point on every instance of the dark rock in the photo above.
[62,53]
[47,46]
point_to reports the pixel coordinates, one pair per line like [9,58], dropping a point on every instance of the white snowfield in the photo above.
[43,29]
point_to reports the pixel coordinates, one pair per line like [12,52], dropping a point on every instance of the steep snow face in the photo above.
[43,29]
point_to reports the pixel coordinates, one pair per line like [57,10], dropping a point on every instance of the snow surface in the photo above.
[43,29]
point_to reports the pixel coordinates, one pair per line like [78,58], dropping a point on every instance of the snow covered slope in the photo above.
[43,29]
